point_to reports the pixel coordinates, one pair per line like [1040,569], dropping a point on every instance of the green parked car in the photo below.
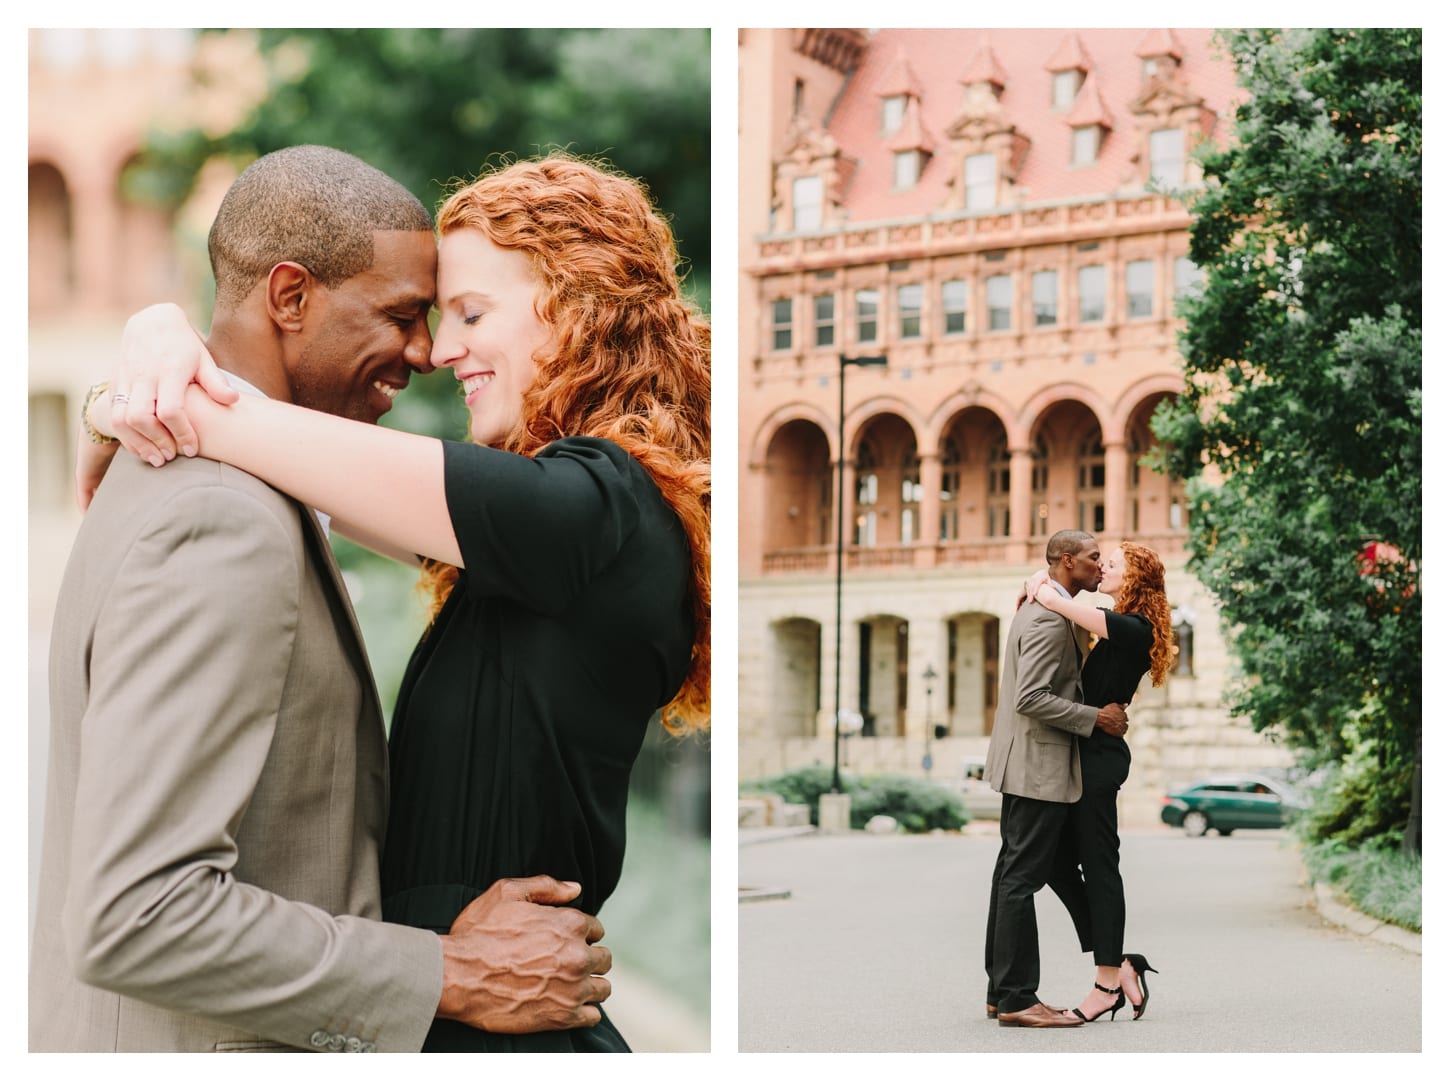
[1228,802]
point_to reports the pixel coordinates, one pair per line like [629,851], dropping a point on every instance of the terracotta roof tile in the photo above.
[1070,55]
[1090,108]
[1160,43]
[912,135]
[899,79]
[984,67]
[935,58]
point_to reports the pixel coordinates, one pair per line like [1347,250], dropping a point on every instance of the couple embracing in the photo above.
[238,856]
[1058,757]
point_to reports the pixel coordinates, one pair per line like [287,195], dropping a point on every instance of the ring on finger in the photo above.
[120,399]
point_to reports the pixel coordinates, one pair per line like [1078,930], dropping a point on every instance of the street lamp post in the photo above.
[859,362]
[928,677]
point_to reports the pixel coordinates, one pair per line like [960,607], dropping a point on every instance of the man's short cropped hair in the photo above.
[311,205]
[1066,542]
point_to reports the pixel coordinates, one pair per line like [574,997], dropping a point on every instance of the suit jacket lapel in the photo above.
[334,575]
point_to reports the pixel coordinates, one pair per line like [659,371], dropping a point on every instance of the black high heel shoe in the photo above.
[1140,968]
[1117,1004]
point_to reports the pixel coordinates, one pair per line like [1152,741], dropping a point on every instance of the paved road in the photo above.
[879,948]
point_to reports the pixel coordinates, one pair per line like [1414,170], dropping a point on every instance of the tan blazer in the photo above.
[217,787]
[1033,751]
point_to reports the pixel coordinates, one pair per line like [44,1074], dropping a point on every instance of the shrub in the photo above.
[1358,806]
[1383,883]
[804,785]
[916,804]
[1352,834]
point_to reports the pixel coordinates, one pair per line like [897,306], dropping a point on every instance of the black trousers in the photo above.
[1031,831]
[1085,874]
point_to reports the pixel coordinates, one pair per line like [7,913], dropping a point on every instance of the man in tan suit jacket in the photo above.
[218,762]
[1033,761]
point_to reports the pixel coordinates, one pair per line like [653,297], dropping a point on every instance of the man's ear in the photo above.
[289,293]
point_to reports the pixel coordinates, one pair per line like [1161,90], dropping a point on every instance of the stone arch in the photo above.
[52,267]
[786,413]
[799,479]
[795,676]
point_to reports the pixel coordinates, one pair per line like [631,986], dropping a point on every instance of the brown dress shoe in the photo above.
[992,1010]
[1037,1015]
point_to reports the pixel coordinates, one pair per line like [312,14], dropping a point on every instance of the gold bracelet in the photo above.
[91,395]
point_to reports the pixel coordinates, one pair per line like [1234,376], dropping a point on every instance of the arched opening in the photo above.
[1068,471]
[1156,503]
[49,453]
[883,678]
[976,478]
[888,484]
[795,680]
[972,673]
[799,489]
[52,257]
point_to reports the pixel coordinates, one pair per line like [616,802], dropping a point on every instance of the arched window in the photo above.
[910,496]
[999,489]
[867,482]
[1039,487]
[951,490]
[1091,479]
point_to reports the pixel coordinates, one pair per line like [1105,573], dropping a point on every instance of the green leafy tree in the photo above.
[1300,425]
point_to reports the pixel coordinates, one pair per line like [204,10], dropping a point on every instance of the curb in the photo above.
[1335,911]
[760,834]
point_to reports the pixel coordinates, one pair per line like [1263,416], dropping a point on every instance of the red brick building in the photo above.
[992,211]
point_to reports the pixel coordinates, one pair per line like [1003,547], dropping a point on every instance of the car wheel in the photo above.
[1195,823]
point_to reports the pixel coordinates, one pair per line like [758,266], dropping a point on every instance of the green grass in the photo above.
[658,920]
[1381,883]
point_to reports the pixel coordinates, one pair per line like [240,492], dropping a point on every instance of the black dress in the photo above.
[525,704]
[1094,895]
[1114,668]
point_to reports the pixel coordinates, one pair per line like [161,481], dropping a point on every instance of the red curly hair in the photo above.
[629,358]
[1143,593]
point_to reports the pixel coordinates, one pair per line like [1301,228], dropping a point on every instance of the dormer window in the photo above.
[1065,85]
[981,181]
[806,203]
[905,169]
[893,111]
[1165,152]
[1085,143]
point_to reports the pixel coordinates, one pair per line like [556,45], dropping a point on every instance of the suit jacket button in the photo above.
[337,1042]
[369,1047]
[354,1045]
[319,1038]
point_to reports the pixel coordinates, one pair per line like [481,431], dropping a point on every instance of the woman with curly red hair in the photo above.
[1133,637]
[565,547]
